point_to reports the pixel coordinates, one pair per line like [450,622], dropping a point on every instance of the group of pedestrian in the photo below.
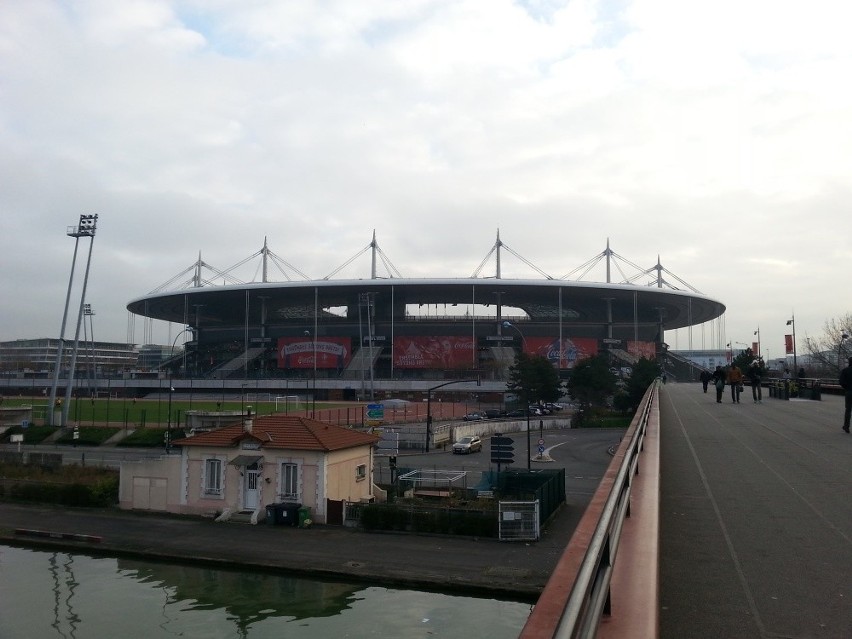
[733,377]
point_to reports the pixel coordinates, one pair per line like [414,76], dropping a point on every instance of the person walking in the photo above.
[846,385]
[705,378]
[735,379]
[719,383]
[754,374]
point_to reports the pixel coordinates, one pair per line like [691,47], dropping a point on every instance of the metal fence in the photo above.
[518,521]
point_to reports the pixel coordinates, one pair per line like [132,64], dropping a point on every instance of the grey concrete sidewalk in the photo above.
[508,569]
[756,519]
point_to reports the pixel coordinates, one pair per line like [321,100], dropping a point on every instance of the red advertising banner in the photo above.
[563,355]
[298,352]
[754,348]
[788,343]
[648,350]
[445,351]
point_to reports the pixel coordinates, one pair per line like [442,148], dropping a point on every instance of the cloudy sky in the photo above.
[717,135]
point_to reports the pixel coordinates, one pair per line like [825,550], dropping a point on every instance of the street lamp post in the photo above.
[172,391]
[429,405]
[792,322]
[314,375]
[508,324]
[169,422]
[174,346]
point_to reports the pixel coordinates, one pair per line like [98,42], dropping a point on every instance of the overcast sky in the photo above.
[717,135]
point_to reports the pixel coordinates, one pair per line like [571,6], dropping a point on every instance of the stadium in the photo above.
[400,333]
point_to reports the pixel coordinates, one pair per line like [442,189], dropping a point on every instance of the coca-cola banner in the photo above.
[298,352]
[564,354]
[648,350]
[441,352]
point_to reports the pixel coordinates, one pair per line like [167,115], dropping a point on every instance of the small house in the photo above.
[247,466]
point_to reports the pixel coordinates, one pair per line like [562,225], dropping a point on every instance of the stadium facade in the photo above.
[344,332]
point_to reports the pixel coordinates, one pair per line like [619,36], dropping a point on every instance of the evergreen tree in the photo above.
[534,379]
[591,382]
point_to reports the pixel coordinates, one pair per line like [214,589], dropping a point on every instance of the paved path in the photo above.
[756,517]
[517,570]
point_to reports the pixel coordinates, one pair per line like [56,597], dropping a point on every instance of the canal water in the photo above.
[46,594]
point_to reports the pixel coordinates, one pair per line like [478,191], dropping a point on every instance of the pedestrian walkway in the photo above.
[756,517]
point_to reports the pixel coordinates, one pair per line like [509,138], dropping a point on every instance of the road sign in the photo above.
[375,414]
[502,450]
[375,411]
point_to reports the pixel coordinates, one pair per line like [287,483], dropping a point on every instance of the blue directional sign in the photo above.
[376,411]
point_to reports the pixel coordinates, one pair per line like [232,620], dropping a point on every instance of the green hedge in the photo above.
[102,493]
[32,434]
[89,436]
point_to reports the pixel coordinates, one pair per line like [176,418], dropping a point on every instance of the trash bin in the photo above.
[290,514]
[304,516]
[274,514]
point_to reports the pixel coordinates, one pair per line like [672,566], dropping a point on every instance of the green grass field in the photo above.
[128,412]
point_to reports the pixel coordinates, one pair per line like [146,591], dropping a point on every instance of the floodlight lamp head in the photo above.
[88,224]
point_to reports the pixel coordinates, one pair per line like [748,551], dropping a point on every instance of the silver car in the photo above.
[467,445]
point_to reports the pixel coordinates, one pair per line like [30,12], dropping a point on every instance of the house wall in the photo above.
[199,502]
[341,474]
[311,491]
[153,484]
[176,483]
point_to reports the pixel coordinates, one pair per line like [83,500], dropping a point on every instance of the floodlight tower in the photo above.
[86,228]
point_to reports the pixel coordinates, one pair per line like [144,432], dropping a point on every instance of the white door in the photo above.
[250,499]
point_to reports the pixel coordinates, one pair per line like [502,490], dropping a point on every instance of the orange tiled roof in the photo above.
[283,431]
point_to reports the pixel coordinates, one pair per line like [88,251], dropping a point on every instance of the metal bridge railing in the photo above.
[578,592]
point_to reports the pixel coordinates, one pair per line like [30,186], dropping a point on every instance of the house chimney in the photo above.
[247,420]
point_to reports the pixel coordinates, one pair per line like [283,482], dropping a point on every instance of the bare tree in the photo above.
[830,350]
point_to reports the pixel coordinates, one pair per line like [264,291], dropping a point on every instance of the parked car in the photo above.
[519,412]
[467,445]
[473,417]
[493,413]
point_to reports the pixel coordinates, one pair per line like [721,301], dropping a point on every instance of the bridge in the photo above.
[740,525]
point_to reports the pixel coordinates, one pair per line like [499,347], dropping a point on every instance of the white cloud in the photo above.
[714,135]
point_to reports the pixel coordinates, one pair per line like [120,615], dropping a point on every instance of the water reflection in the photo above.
[65,619]
[105,597]
[247,597]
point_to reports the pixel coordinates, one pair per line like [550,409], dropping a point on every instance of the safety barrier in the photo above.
[577,594]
